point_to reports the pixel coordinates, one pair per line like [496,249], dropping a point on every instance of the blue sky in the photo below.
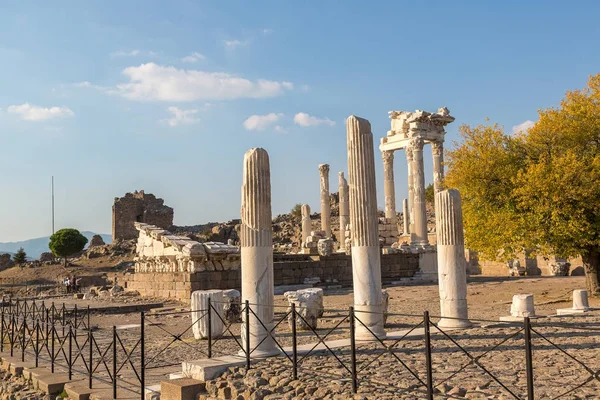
[112,96]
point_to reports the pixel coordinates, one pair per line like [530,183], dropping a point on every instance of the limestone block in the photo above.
[309,305]
[325,247]
[220,248]
[200,311]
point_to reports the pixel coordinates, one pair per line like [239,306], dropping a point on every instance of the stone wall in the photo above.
[138,207]
[289,269]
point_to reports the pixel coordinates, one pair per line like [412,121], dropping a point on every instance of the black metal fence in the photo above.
[420,360]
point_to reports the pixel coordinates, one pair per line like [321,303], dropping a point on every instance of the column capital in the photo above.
[324,169]
[409,153]
[437,147]
[416,143]
[387,156]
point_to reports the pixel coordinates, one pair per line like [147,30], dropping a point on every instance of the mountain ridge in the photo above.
[36,246]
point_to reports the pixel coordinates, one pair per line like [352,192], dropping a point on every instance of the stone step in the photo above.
[181,389]
[52,383]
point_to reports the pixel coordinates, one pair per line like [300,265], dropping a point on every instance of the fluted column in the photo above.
[306,224]
[388,184]
[344,209]
[437,149]
[366,257]
[419,209]
[411,199]
[405,217]
[325,205]
[452,264]
[257,251]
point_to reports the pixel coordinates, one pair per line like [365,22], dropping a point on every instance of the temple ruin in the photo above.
[138,207]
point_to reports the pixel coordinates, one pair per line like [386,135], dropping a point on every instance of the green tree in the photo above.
[539,189]
[66,242]
[297,211]
[20,257]
[429,194]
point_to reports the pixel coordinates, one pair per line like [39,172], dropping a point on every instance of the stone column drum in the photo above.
[389,190]
[419,210]
[325,205]
[366,256]
[199,307]
[405,217]
[411,220]
[452,265]
[306,224]
[257,252]
[580,300]
[437,149]
[344,210]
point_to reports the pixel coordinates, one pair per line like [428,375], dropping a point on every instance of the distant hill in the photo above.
[35,247]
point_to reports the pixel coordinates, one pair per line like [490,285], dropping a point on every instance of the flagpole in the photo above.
[53,204]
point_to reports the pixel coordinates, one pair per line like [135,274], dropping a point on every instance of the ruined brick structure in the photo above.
[138,207]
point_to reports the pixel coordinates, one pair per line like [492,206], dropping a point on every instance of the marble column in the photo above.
[388,184]
[405,216]
[411,221]
[344,209]
[452,265]
[418,178]
[366,255]
[306,224]
[437,149]
[325,205]
[257,252]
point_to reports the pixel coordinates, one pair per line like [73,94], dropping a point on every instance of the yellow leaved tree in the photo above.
[539,189]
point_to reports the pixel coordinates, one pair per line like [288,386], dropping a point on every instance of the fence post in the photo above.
[143,357]
[52,337]
[91,364]
[37,343]
[247,312]
[294,344]
[12,336]
[23,330]
[64,313]
[209,329]
[75,323]
[528,358]
[353,350]
[114,374]
[88,318]
[428,355]
[2,329]
[70,352]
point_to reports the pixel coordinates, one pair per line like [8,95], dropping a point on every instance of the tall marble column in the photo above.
[325,205]
[419,209]
[405,217]
[452,265]
[257,252]
[437,148]
[411,198]
[344,209]
[306,224]
[388,184]
[366,256]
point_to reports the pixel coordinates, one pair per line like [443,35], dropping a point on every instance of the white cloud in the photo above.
[155,82]
[232,44]
[280,129]
[28,112]
[305,120]
[261,122]
[287,85]
[522,127]
[267,31]
[194,57]
[182,117]
[132,53]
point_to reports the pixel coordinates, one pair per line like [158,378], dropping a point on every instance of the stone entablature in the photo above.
[158,250]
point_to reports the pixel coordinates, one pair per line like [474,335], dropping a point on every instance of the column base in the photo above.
[260,353]
[454,323]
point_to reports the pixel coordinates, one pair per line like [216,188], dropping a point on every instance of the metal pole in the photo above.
[91,363]
[209,329]
[294,342]
[2,330]
[529,358]
[70,352]
[23,330]
[12,335]
[64,314]
[428,356]
[53,204]
[114,374]
[37,343]
[75,310]
[353,351]
[88,318]
[142,357]
[53,333]
[247,312]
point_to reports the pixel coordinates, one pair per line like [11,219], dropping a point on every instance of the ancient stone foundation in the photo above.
[138,207]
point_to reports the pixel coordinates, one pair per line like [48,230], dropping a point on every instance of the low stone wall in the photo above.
[291,269]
